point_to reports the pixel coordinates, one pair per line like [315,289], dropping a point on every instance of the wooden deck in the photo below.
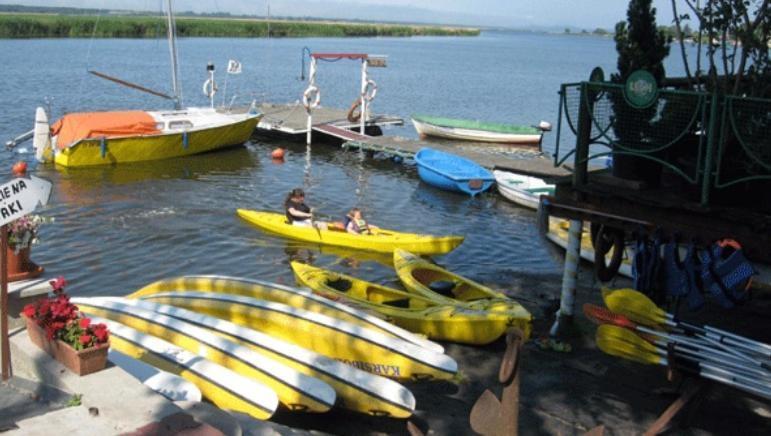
[291,119]
[521,159]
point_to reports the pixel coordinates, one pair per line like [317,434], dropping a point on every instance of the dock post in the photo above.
[363,96]
[569,275]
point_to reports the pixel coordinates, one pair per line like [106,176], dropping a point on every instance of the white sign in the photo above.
[20,197]
[234,67]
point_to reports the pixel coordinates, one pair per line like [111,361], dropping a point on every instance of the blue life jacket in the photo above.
[726,273]
[679,276]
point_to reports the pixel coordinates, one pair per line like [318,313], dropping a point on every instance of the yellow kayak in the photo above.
[381,240]
[444,287]
[294,297]
[447,322]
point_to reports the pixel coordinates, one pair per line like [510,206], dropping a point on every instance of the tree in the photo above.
[640,46]
[639,43]
[737,34]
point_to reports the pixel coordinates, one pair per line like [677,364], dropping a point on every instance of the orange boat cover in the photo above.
[73,127]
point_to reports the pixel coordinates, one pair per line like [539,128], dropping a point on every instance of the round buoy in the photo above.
[277,154]
[19,168]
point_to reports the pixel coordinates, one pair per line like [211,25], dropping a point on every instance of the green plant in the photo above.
[75,400]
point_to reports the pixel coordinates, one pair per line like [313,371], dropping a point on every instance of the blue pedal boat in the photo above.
[453,173]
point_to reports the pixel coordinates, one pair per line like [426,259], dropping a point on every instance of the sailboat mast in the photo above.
[172,34]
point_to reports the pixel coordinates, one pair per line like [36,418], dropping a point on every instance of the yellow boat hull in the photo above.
[327,336]
[417,274]
[381,240]
[281,294]
[214,388]
[445,322]
[290,392]
[92,152]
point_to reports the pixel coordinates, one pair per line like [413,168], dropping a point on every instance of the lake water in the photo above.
[119,228]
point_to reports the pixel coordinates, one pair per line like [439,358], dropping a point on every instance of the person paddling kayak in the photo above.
[297,212]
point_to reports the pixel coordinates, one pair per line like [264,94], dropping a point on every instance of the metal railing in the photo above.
[710,142]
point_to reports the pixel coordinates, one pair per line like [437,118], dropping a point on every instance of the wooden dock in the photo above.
[526,160]
[291,119]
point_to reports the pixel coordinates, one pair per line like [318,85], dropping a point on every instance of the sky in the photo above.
[520,14]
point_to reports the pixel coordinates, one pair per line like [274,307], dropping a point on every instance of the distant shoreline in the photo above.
[41,25]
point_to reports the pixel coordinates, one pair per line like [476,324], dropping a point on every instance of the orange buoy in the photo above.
[19,168]
[277,154]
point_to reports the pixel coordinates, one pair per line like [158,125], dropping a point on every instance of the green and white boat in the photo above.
[471,130]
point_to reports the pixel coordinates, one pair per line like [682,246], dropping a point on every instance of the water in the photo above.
[119,228]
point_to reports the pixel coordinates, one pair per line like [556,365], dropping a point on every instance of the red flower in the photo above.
[84,323]
[29,311]
[100,332]
[85,339]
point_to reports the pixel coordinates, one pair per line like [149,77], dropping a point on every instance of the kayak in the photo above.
[297,391]
[381,240]
[445,322]
[436,283]
[222,386]
[558,234]
[294,297]
[336,339]
[171,386]
[356,390]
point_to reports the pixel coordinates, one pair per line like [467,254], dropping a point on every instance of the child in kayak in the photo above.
[355,223]
[297,212]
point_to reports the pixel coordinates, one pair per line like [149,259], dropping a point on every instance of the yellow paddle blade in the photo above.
[635,306]
[613,341]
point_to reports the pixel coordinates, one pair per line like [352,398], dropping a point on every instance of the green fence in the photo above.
[709,142]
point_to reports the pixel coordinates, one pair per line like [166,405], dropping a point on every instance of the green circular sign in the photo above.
[640,90]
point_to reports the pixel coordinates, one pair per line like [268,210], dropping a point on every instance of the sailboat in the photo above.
[82,139]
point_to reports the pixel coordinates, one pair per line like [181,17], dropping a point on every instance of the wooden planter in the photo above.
[20,267]
[81,362]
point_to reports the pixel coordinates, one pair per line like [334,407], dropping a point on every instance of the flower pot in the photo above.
[81,362]
[20,267]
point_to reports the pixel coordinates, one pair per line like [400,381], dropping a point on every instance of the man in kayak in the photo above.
[298,213]
[355,223]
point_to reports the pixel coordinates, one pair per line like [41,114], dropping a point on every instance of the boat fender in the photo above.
[605,239]
[103,146]
[185,140]
[311,97]
[41,139]
[209,88]
[353,114]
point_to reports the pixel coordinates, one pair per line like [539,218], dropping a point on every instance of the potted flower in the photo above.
[22,233]
[55,325]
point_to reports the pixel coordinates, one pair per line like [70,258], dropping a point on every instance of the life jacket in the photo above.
[360,226]
[726,273]
[302,207]
[679,276]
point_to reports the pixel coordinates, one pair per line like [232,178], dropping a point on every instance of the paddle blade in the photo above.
[621,342]
[635,306]
[600,315]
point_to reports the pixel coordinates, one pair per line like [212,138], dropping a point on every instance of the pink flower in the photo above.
[85,339]
[58,284]
[84,323]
